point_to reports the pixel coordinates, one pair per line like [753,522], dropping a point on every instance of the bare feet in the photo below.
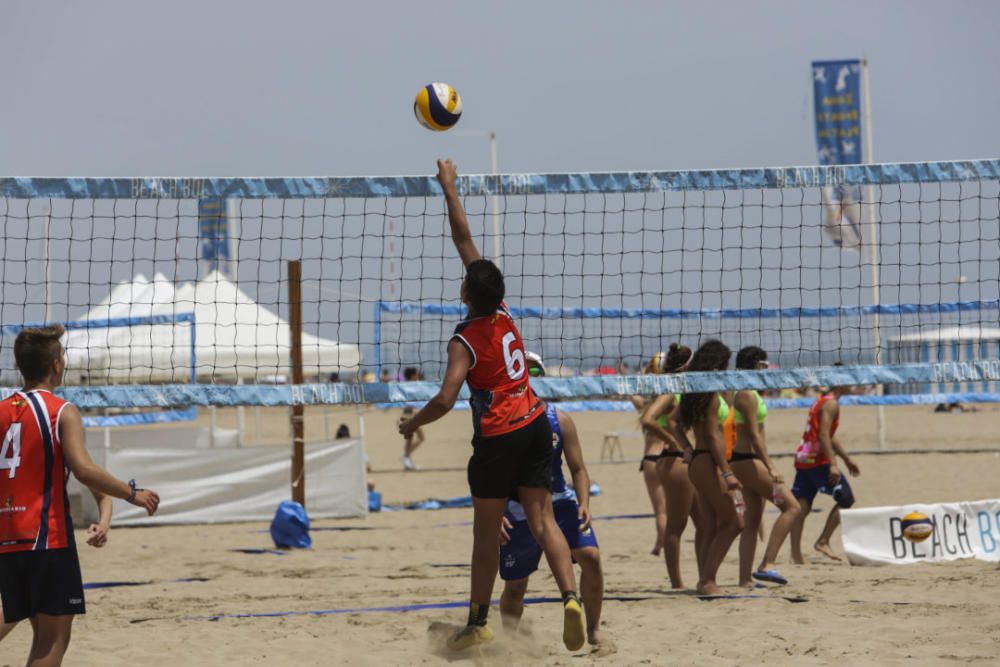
[798,559]
[708,588]
[593,639]
[657,548]
[825,549]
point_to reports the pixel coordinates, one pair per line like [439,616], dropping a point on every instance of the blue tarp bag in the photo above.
[374,501]
[290,526]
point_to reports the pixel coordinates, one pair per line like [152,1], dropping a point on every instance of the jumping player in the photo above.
[512,442]
[43,436]
[520,553]
[816,471]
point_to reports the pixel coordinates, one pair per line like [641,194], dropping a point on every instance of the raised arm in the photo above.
[574,459]
[460,234]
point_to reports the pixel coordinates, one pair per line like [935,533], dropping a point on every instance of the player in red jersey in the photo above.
[512,445]
[43,439]
[816,471]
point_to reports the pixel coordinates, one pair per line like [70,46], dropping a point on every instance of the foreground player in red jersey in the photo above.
[43,438]
[512,445]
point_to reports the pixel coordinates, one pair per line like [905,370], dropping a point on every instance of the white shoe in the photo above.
[408,463]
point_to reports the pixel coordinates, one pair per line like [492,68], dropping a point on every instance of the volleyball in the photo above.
[917,527]
[437,107]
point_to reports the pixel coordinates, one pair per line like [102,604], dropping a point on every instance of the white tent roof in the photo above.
[235,338]
[964,333]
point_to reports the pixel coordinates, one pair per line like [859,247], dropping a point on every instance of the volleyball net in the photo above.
[175,291]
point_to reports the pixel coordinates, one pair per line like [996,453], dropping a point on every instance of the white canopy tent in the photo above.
[235,338]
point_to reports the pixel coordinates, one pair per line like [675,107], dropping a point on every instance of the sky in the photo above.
[250,87]
[317,88]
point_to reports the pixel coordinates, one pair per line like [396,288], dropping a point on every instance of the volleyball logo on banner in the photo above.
[837,95]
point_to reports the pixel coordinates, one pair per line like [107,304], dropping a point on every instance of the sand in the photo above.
[933,614]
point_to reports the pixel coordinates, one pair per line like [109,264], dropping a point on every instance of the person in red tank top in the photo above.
[43,439]
[512,442]
[816,471]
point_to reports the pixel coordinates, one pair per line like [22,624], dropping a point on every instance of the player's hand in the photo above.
[585,518]
[835,475]
[97,535]
[147,499]
[687,454]
[505,527]
[732,484]
[407,427]
[447,174]
[852,467]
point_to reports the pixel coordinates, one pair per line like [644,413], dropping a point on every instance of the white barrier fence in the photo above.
[874,535]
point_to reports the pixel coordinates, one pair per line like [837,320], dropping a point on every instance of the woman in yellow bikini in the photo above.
[760,478]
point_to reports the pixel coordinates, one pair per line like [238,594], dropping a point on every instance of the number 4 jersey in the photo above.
[34,510]
[502,400]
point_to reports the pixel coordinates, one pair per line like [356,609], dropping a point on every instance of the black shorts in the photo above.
[40,582]
[502,463]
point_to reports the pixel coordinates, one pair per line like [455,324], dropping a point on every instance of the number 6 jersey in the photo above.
[502,400]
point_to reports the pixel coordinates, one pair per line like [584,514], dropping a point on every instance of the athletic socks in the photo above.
[478,613]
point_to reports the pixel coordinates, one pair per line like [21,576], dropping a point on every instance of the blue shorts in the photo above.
[520,557]
[810,481]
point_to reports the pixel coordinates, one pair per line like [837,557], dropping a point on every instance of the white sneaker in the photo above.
[408,463]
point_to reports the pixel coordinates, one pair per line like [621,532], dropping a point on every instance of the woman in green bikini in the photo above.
[704,414]
[760,478]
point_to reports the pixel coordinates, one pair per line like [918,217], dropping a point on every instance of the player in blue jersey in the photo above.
[520,553]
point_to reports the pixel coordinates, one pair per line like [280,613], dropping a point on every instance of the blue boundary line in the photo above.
[171,395]
[505,184]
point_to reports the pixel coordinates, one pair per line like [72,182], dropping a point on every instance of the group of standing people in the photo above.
[706,459]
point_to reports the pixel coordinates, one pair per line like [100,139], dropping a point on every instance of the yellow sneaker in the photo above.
[470,635]
[574,632]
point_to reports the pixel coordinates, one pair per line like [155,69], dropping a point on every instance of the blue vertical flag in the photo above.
[837,96]
[213,231]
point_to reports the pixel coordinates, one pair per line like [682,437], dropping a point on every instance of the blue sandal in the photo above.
[771,576]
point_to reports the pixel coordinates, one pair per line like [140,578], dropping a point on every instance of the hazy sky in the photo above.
[191,88]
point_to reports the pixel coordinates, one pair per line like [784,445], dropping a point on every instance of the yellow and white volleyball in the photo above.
[917,526]
[438,107]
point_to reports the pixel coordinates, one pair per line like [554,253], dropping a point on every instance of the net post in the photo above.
[298,411]
[873,244]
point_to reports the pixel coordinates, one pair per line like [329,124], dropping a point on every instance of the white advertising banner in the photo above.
[874,535]
[234,484]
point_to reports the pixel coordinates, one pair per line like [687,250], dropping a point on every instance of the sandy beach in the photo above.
[930,614]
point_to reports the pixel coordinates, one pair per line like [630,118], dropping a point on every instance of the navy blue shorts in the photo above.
[810,481]
[520,557]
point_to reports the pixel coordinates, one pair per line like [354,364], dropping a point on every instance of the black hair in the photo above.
[484,286]
[749,358]
[677,356]
[411,373]
[713,355]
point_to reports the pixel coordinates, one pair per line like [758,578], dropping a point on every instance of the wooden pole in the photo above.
[298,411]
